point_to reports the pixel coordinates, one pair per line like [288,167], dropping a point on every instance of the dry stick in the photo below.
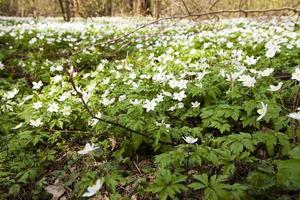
[137,167]
[67,131]
[186,8]
[213,5]
[87,108]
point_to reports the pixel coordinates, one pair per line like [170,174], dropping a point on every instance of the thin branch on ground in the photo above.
[87,108]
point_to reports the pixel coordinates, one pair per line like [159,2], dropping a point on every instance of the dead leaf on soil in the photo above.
[113,143]
[57,190]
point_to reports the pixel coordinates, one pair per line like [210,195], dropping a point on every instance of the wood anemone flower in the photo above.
[87,149]
[190,140]
[92,190]
[262,111]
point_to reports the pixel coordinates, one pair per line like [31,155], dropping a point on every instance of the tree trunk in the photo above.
[139,7]
[34,9]
[68,10]
[155,4]
[61,5]
[76,4]
[108,8]
[65,6]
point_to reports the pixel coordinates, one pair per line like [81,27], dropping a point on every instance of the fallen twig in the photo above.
[87,108]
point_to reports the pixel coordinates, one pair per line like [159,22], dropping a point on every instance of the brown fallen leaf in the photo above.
[113,143]
[100,197]
[57,190]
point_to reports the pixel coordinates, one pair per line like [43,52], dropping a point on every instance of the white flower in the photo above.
[190,140]
[159,98]
[37,85]
[1,66]
[122,97]
[262,111]
[94,121]
[181,84]
[270,53]
[294,115]
[92,190]
[57,78]
[138,46]
[11,94]
[105,81]
[274,88]
[179,96]
[135,85]
[28,97]
[37,105]
[36,123]
[250,60]
[253,71]
[266,72]
[59,68]
[150,105]
[229,45]
[53,107]
[296,74]
[87,149]
[162,123]
[272,49]
[135,102]
[247,80]
[18,126]
[52,68]
[195,104]
[91,87]
[86,96]
[168,94]
[172,108]
[105,101]
[180,105]
[66,110]
[237,53]
[173,83]
[233,76]
[132,75]
[64,96]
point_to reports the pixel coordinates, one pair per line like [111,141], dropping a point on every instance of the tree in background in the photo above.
[157,8]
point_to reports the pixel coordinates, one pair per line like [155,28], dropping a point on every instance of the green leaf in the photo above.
[288,174]
[295,153]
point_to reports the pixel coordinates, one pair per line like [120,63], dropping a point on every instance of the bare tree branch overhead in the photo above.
[186,8]
[197,15]
[156,8]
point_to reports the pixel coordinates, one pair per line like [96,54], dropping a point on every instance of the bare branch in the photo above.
[198,15]
[196,6]
[87,108]
[213,4]
[186,8]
